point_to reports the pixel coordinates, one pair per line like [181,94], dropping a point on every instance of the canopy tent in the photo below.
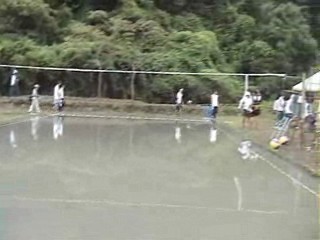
[312,84]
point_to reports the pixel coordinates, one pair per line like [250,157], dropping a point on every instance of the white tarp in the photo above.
[312,84]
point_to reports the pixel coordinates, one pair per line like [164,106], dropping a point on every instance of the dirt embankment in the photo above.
[127,106]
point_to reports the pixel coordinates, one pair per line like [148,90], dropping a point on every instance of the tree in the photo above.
[33,18]
[287,31]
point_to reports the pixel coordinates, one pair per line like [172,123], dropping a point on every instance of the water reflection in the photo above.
[213,134]
[35,127]
[57,127]
[136,166]
[12,139]
[245,149]
[177,134]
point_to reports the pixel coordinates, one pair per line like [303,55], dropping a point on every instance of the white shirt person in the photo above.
[34,107]
[14,84]
[179,100]
[58,97]
[215,103]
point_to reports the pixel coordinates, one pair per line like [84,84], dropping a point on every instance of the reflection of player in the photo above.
[213,134]
[12,139]
[245,150]
[34,127]
[177,134]
[57,127]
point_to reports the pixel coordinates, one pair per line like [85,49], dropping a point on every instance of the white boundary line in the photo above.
[282,172]
[294,180]
[26,119]
[137,118]
[239,191]
[137,204]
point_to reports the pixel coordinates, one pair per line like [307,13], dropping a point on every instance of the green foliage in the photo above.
[288,32]
[158,35]
[33,18]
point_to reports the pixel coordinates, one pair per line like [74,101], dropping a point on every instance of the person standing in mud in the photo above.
[214,104]
[58,97]
[14,90]
[245,105]
[179,100]
[34,106]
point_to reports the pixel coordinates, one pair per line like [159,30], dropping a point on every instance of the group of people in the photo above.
[58,98]
[249,104]
[293,107]
[58,93]
[214,106]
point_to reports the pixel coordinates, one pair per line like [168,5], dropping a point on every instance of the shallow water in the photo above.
[117,179]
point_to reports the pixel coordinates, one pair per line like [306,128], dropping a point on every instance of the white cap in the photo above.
[15,71]
[36,85]
[247,93]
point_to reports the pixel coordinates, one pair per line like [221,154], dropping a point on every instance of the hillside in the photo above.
[158,35]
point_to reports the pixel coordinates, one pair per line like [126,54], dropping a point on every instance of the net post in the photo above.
[99,90]
[132,81]
[303,103]
[303,90]
[246,82]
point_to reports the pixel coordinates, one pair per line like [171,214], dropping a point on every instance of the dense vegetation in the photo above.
[248,36]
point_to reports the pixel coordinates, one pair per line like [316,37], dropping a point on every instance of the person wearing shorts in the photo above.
[257,99]
[245,105]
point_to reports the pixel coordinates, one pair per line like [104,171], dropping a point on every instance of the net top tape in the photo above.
[143,72]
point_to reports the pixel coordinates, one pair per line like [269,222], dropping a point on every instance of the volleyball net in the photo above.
[148,86]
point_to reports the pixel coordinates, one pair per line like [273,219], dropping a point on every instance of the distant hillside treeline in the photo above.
[159,35]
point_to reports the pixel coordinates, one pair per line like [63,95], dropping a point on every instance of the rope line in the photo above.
[142,72]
